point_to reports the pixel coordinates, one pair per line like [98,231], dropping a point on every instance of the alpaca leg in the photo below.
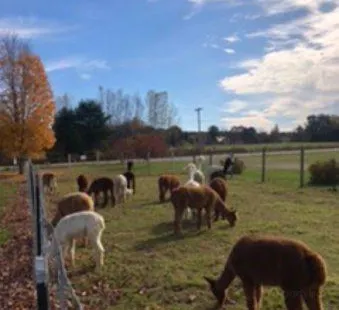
[312,298]
[258,293]
[216,215]
[99,251]
[72,252]
[178,213]
[292,300]
[199,215]
[250,293]
[208,218]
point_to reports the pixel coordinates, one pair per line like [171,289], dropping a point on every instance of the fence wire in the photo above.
[46,259]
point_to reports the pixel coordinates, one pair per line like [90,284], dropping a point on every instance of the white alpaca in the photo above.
[198,175]
[120,188]
[190,182]
[82,224]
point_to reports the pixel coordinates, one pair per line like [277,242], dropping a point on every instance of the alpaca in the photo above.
[199,198]
[220,186]
[82,183]
[130,177]
[273,261]
[217,174]
[49,182]
[80,224]
[197,174]
[120,188]
[71,203]
[104,185]
[167,182]
[191,182]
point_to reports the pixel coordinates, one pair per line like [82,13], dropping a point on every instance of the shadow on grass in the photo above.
[165,232]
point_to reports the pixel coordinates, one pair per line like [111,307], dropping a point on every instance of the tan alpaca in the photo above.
[220,186]
[167,182]
[199,198]
[273,261]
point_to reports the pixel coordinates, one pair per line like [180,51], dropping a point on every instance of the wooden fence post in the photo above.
[263,167]
[148,162]
[302,164]
[211,158]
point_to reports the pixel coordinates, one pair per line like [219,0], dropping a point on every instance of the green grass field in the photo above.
[155,270]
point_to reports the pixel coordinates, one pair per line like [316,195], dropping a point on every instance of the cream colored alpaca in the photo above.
[82,224]
[120,188]
[198,175]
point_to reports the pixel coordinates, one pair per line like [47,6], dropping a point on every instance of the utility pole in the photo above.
[198,110]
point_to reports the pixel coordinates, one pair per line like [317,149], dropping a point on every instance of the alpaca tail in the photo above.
[317,269]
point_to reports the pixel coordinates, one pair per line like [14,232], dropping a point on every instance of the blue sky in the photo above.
[245,62]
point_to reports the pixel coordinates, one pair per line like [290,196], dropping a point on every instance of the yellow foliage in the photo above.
[27,116]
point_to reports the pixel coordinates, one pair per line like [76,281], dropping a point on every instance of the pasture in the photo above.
[146,267]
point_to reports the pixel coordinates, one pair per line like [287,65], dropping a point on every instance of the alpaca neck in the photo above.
[225,278]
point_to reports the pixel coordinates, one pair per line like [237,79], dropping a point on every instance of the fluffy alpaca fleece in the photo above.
[198,175]
[130,177]
[82,183]
[71,203]
[273,261]
[199,198]
[49,182]
[81,224]
[220,186]
[120,188]
[104,185]
[167,182]
[217,174]
[191,182]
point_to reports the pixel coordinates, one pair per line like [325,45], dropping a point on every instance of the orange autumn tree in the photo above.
[27,107]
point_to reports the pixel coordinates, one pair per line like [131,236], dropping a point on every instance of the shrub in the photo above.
[324,173]
[139,145]
[238,166]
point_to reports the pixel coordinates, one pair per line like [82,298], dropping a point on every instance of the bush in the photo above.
[238,166]
[324,173]
[139,146]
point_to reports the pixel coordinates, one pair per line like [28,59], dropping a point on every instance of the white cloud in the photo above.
[251,120]
[79,63]
[232,39]
[298,72]
[229,51]
[235,106]
[29,27]
[85,76]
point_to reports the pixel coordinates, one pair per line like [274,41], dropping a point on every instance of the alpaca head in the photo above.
[218,293]
[233,217]
[129,192]
[190,167]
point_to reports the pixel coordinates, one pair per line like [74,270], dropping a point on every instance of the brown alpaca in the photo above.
[220,186]
[273,261]
[104,185]
[82,183]
[199,198]
[49,182]
[130,177]
[71,203]
[167,182]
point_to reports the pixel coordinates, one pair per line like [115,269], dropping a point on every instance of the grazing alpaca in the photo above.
[120,188]
[80,224]
[104,185]
[130,177]
[82,183]
[49,182]
[199,198]
[167,182]
[198,175]
[191,182]
[220,186]
[273,261]
[71,203]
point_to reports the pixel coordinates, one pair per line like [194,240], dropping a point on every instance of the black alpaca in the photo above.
[129,175]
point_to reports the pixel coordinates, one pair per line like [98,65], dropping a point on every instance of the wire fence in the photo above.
[47,261]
